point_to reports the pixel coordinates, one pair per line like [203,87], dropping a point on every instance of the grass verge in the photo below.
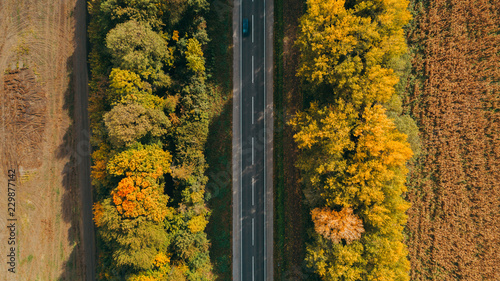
[218,148]
[279,182]
[292,217]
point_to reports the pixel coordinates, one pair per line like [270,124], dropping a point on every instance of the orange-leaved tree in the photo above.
[140,196]
[337,226]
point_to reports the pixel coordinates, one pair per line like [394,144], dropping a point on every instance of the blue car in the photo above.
[245,27]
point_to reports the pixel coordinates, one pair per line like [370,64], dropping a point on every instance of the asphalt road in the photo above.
[252,147]
[80,76]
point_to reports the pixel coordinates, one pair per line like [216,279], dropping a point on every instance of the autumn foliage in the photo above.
[138,196]
[353,138]
[148,108]
[454,187]
[141,160]
[350,45]
[354,162]
[337,226]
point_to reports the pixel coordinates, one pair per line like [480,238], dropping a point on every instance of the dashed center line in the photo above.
[253,191]
[253,112]
[252,151]
[253,72]
[253,232]
[252,27]
[253,268]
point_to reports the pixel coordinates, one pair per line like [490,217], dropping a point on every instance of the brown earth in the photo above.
[36,134]
[25,111]
[454,188]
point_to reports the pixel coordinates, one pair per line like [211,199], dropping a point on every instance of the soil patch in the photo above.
[25,115]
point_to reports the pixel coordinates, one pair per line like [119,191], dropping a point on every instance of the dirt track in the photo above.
[80,73]
[44,136]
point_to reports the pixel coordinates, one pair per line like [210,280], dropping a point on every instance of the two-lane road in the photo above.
[252,142]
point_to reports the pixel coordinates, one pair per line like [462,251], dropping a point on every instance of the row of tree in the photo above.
[354,140]
[149,115]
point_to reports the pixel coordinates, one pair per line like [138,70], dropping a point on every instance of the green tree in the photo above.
[136,47]
[148,11]
[127,124]
[404,123]
[374,257]
[133,243]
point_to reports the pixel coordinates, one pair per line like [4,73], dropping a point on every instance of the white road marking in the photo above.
[241,135]
[253,112]
[253,73]
[253,232]
[240,41]
[265,140]
[252,151]
[253,192]
[252,27]
[253,268]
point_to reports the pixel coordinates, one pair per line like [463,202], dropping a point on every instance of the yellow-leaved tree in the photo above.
[349,45]
[354,161]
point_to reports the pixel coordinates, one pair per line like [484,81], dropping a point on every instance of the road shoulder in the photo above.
[236,158]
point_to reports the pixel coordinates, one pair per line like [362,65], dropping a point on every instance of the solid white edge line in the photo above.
[241,142]
[265,238]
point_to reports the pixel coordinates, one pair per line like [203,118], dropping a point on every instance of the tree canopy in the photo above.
[357,163]
[148,106]
[127,124]
[136,47]
[348,46]
[353,138]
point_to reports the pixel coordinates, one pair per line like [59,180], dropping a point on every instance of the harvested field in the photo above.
[36,139]
[454,188]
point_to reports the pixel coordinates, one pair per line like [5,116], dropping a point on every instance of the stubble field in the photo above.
[454,187]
